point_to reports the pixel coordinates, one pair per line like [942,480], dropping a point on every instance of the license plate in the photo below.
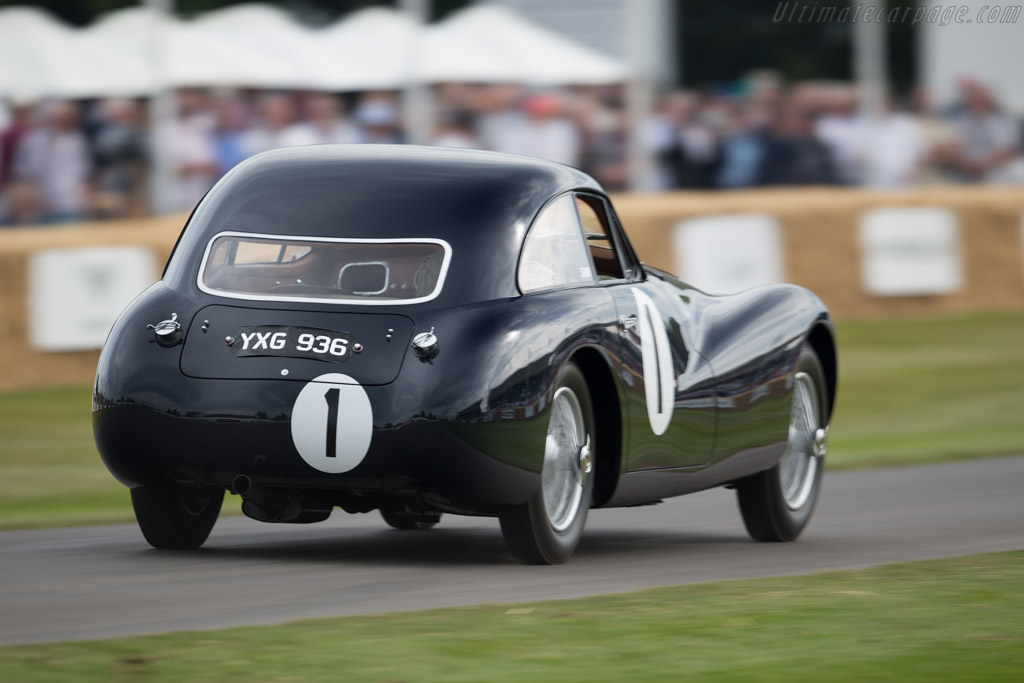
[293,342]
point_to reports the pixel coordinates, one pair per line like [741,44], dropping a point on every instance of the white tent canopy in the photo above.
[40,56]
[370,49]
[189,54]
[279,52]
[489,43]
[134,52]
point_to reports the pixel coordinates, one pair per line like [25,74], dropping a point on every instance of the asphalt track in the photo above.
[95,582]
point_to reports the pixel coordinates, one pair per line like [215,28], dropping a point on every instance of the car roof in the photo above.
[481,203]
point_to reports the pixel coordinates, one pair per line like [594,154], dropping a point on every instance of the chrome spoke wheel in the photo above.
[547,528]
[776,504]
[798,467]
[567,460]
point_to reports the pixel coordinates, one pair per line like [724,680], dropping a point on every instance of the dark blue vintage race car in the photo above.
[420,331]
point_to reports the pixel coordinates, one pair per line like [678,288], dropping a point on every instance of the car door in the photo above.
[670,391]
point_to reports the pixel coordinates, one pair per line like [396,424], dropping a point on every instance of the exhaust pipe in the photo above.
[263,507]
[244,486]
[241,484]
[255,501]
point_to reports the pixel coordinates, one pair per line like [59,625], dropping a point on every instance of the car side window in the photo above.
[598,233]
[554,253]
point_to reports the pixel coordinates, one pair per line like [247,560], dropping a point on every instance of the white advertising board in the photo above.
[75,295]
[910,251]
[730,252]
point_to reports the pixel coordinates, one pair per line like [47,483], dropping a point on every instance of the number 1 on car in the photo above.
[332,397]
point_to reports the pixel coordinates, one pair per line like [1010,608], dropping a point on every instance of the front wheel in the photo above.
[176,518]
[777,504]
[548,527]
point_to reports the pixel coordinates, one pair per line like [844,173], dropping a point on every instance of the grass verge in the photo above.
[921,389]
[910,390]
[50,473]
[941,620]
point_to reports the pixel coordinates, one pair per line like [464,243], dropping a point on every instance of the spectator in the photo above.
[455,97]
[276,127]
[659,139]
[229,132]
[11,137]
[743,149]
[377,116]
[120,152]
[893,149]
[456,130]
[196,162]
[604,139]
[793,155]
[53,160]
[327,122]
[940,140]
[841,130]
[545,133]
[694,155]
[989,148]
[498,112]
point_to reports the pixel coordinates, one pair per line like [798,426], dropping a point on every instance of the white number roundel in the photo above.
[659,374]
[332,423]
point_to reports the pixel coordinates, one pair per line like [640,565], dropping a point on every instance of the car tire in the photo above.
[777,504]
[410,521]
[548,527]
[175,518]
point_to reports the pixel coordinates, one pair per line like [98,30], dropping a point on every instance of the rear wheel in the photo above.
[176,518]
[548,527]
[777,504]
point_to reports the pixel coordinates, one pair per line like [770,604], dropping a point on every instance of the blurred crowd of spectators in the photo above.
[65,160]
[819,134]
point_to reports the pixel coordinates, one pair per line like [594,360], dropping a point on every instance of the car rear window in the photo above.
[362,271]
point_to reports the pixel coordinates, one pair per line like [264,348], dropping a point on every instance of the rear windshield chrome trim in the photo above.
[321,300]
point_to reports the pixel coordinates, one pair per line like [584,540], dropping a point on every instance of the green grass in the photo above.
[942,620]
[50,473]
[920,389]
[910,390]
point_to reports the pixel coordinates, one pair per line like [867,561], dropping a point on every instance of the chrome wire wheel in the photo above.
[776,504]
[546,528]
[567,460]
[798,467]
